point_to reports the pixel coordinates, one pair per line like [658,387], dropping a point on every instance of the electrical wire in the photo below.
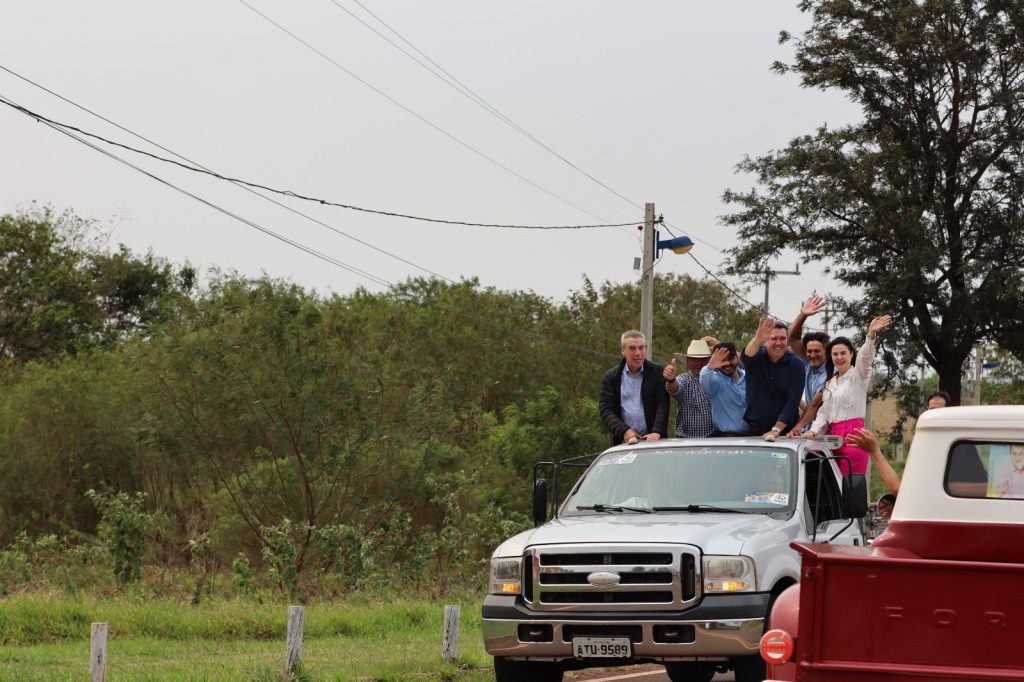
[296,195]
[416,115]
[468,92]
[313,252]
[302,247]
[241,186]
[726,286]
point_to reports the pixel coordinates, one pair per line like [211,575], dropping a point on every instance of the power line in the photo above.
[302,247]
[669,225]
[421,118]
[247,189]
[726,286]
[313,252]
[468,92]
[296,195]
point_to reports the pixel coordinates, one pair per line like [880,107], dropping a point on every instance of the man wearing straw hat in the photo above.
[693,418]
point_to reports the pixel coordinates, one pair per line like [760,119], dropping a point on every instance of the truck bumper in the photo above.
[720,627]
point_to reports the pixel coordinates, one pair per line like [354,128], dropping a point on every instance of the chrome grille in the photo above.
[637,577]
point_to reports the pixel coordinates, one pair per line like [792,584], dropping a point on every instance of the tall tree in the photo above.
[61,291]
[920,204]
[46,306]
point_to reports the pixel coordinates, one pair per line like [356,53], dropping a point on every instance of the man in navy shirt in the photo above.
[775,380]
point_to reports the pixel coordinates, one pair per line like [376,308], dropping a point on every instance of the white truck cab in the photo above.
[670,552]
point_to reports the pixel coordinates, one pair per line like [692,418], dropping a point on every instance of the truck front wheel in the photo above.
[690,672]
[506,670]
[748,668]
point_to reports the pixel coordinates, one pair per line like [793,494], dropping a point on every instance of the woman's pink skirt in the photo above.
[858,458]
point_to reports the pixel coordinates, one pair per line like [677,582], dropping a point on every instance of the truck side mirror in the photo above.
[540,501]
[855,495]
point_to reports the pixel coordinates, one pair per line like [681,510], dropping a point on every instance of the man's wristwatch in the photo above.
[776,429]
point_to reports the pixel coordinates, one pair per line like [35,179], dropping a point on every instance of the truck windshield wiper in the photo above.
[615,508]
[697,508]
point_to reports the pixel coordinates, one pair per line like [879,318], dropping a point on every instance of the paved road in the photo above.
[633,673]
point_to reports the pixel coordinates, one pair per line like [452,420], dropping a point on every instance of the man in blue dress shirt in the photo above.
[725,383]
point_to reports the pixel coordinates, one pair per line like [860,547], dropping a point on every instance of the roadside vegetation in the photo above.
[183,458]
[46,637]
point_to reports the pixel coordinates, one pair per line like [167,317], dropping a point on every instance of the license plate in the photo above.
[602,647]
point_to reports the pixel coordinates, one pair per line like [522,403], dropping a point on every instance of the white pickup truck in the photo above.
[669,552]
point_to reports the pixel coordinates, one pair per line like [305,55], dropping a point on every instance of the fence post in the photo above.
[296,620]
[98,652]
[450,646]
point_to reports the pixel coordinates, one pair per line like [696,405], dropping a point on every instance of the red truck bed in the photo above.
[886,614]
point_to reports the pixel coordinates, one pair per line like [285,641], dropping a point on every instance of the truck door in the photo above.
[824,519]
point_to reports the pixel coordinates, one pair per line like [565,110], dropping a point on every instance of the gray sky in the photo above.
[658,100]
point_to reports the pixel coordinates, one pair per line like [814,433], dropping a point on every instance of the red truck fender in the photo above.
[781,633]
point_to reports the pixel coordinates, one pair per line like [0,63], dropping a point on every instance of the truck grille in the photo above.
[621,577]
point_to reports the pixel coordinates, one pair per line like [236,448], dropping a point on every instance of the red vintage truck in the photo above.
[940,594]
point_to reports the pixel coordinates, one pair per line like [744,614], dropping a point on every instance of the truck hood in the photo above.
[714,533]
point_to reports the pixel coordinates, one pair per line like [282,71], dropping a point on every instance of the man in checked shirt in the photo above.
[693,418]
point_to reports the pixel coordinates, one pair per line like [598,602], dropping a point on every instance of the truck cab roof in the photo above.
[952,466]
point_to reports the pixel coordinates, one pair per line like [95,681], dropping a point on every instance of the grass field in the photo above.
[46,637]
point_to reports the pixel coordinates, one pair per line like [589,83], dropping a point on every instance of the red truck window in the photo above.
[986,470]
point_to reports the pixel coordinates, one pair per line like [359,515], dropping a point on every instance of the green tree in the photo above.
[61,292]
[46,306]
[259,390]
[920,204]
[65,428]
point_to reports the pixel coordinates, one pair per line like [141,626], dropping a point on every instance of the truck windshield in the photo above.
[747,479]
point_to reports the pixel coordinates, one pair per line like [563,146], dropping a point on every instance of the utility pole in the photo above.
[652,249]
[647,281]
[768,274]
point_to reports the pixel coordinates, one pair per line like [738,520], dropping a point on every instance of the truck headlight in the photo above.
[729,574]
[507,576]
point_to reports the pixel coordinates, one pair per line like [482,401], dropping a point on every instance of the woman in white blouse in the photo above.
[845,394]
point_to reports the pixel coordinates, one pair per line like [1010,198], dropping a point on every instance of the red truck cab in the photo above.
[940,594]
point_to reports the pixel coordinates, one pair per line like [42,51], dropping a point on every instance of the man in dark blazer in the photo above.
[633,402]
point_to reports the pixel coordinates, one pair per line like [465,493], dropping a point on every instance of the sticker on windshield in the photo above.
[618,459]
[768,498]
[780,455]
[724,451]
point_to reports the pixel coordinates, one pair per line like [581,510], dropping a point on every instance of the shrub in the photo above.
[123,528]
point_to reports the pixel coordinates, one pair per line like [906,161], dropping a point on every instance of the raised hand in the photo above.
[878,324]
[812,306]
[863,439]
[764,328]
[718,358]
[670,371]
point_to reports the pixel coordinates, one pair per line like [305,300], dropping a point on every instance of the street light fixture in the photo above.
[678,245]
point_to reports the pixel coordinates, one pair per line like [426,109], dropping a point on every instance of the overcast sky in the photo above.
[657,100]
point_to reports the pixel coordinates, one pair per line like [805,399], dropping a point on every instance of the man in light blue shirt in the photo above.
[725,382]
[632,406]
[811,348]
